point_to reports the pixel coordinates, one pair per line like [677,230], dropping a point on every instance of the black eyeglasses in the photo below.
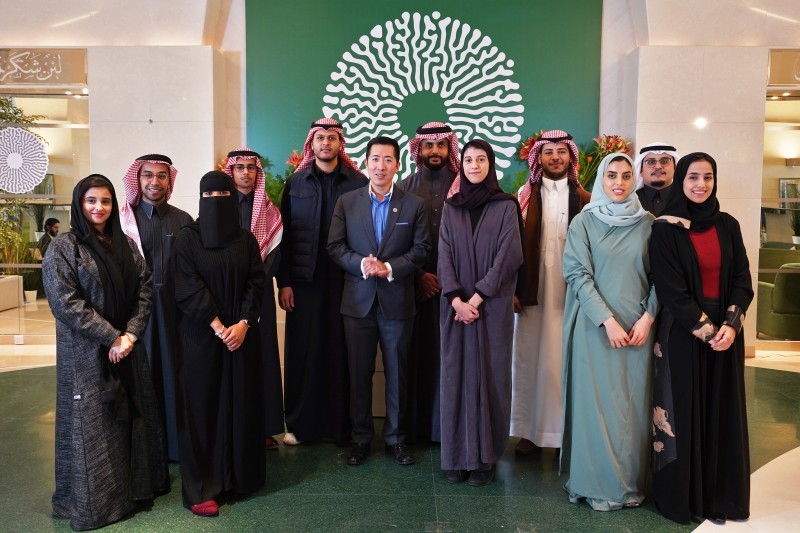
[240,168]
[664,161]
[149,175]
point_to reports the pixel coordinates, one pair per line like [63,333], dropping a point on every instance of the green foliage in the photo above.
[520,177]
[10,224]
[273,181]
[11,114]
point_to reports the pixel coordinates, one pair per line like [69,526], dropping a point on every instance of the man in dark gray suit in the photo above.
[379,237]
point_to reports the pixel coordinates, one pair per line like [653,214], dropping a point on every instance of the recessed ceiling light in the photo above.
[786,94]
[700,122]
[67,92]
[773,97]
[85,90]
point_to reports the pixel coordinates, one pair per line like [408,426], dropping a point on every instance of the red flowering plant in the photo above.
[594,152]
[294,161]
[523,152]
[526,146]
[589,157]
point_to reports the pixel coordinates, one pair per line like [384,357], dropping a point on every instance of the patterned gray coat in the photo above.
[102,465]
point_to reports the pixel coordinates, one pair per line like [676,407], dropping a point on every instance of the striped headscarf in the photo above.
[433,131]
[308,148]
[536,170]
[266,223]
[133,193]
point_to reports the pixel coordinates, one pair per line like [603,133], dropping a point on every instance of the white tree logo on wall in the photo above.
[417,53]
[23,160]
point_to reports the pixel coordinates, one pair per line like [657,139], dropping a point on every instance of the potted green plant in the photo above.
[794,223]
[16,251]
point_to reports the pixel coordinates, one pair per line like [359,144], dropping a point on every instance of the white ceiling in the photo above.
[58,23]
[722,22]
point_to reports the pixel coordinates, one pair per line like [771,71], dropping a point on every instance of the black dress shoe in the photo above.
[358,454]
[456,476]
[479,478]
[401,454]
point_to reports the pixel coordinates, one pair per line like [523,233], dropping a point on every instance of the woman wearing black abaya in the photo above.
[701,459]
[218,282]
[110,450]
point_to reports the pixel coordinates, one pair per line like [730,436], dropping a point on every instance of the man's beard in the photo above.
[555,177]
[52,233]
[426,162]
[327,159]
[657,184]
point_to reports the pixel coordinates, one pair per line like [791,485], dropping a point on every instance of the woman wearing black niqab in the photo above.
[218,281]
[110,449]
[701,460]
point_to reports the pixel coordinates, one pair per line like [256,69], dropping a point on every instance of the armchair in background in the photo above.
[779,304]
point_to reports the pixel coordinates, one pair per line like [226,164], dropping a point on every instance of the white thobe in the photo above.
[537,409]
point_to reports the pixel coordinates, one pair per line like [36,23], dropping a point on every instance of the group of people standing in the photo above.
[570,320]
[647,308]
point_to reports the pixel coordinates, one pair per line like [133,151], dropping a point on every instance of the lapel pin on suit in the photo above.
[394,210]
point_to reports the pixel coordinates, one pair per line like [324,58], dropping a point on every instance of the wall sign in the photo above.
[23,160]
[25,66]
[499,72]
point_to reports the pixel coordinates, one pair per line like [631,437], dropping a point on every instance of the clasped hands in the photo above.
[723,339]
[232,336]
[371,266]
[619,338]
[467,312]
[123,345]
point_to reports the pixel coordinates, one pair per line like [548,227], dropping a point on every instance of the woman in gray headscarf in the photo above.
[610,308]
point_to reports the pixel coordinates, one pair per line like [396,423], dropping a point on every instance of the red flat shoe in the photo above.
[207,508]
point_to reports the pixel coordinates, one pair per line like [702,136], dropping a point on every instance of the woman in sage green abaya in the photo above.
[608,338]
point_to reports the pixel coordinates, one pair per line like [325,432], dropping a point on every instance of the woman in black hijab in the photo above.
[218,280]
[480,251]
[701,460]
[110,450]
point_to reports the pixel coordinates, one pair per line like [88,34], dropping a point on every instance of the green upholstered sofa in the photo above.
[773,258]
[779,304]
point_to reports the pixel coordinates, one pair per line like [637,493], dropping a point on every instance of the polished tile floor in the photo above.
[309,488]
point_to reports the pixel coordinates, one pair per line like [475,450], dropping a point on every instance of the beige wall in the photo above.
[666,63]
[154,99]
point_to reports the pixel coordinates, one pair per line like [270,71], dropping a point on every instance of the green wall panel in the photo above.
[498,70]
